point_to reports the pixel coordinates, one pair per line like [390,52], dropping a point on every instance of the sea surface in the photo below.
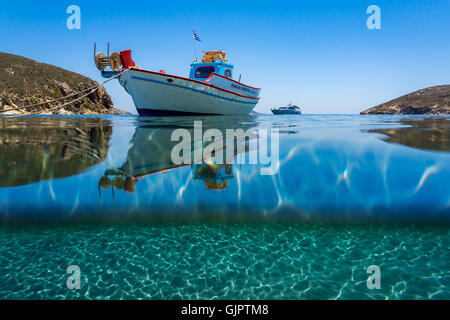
[260,207]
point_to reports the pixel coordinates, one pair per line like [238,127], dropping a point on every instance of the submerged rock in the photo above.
[25,82]
[432,100]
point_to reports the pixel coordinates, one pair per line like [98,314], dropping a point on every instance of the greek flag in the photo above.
[196,37]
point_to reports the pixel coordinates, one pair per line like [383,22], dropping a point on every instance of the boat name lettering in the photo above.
[233,85]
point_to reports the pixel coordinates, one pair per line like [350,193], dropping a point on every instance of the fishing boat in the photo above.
[289,109]
[209,89]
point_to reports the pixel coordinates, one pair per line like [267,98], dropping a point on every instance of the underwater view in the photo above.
[302,214]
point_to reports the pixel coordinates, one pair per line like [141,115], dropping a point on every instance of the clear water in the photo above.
[102,193]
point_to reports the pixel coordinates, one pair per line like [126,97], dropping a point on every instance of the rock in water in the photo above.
[432,100]
[24,82]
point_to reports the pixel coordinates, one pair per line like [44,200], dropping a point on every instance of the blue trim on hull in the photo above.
[200,91]
[167,113]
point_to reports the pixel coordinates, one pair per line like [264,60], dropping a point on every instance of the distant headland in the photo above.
[432,100]
[25,82]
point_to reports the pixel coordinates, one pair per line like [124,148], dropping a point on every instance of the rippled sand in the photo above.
[225,261]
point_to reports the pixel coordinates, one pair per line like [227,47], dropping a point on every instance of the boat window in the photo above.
[204,72]
[228,73]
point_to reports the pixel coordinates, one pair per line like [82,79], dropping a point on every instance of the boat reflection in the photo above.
[152,148]
[34,149]
[215,177]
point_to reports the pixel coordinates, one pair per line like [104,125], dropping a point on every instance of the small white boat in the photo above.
[210,88]
[289,109]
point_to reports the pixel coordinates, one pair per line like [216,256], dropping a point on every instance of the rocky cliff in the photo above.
[432,100]
[24,82]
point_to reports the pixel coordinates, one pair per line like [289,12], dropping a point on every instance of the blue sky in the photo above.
[317,54]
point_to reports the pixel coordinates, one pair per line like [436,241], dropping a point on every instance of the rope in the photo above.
[92,90]
[51,109]
[42,103]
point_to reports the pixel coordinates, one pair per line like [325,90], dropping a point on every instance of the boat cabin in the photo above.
[213,61]
[289,107]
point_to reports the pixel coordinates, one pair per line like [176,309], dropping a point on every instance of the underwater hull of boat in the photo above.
[156,93]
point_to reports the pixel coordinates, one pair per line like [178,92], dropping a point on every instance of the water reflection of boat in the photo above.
[37,149]
[214,177]
[151,151]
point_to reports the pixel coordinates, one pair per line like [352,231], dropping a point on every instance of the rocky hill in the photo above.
[432,100]
[24,82]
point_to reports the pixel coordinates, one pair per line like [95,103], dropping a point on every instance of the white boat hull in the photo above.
[156,93]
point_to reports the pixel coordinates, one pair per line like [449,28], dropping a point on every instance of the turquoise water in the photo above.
[104,194]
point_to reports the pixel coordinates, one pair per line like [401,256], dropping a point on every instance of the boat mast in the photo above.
[193,42]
